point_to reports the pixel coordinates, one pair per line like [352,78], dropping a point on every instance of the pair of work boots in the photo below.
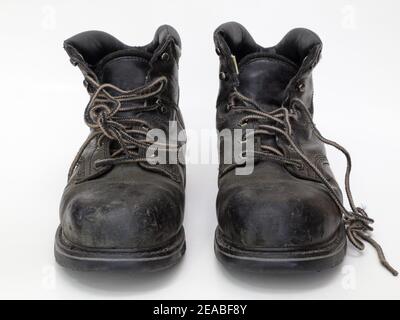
[122,211]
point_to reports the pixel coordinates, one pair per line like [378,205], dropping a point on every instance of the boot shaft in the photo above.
[108,60]
[272,76]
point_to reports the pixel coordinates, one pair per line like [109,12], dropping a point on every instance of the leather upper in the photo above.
[278,205]
[130,205]
[126,208]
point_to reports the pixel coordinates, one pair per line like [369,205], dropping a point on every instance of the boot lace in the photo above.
[278,122]
[106,115]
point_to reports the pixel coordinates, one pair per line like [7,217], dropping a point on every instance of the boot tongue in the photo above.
[264,78]
[126,70]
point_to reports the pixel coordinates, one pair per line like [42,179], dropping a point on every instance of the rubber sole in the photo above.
[70,256]
[325,256]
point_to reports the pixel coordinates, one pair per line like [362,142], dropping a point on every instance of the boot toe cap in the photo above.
[120,215]
[283,215]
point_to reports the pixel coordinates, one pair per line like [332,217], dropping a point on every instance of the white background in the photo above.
[41,127]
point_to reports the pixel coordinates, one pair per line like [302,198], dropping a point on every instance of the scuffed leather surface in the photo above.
[273,209]
[127,206]
[277,206]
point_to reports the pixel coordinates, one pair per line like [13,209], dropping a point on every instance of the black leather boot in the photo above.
[120,211]
[288,213]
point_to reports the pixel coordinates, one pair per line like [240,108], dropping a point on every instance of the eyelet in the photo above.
[163,109]
[223,76]
[165,57]
[300,167]
[301,87]
[74,62]
[218,51]
[96,165]
[295,113]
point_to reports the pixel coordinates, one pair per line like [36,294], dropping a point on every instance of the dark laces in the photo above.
[357,222]
[108,115]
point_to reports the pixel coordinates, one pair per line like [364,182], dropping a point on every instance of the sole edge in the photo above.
[145,261]
[329,256]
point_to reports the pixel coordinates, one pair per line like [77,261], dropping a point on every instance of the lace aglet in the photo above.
[388,267]
[381,255]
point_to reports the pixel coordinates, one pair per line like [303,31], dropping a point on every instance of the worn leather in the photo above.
[133,206]
[278,206]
